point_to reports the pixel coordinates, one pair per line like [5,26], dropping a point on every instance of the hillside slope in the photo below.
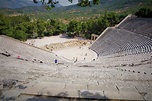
[16,3]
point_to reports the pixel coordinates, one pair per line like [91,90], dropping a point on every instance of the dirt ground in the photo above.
[70,54]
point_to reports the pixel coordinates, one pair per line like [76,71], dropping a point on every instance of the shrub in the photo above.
[144,12]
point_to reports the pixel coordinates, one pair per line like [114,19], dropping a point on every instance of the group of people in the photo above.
[6,54]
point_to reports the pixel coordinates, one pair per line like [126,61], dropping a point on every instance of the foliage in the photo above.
[144,12]
[72,20]
[84,3]
[23,27]
[75,27]
[52,3]
[70,34]
[93,25]
[96,2]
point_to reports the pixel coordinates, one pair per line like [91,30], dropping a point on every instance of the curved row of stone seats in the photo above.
[115,41]
[127,59]
[25,51]
[141,26]
[82,78]
[75,79]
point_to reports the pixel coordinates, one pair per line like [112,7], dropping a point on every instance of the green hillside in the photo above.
[76,12]
[33,22]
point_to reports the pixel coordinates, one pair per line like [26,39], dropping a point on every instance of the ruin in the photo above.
[122,70]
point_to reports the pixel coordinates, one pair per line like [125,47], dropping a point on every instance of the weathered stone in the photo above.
[76,86]
[143,89]
[148,96]
[102,87]
[8,84]
[0,92]
[21,87]
[37,88]
[131,96]
[112,95]
[1,87]
[127,89]
[11,94]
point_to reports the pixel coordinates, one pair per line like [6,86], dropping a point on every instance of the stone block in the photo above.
[127,89]
[76,86]
[143,89]
[148,96]
[131,96]
[102,88]
[37,88]
[112,95]
[11,93]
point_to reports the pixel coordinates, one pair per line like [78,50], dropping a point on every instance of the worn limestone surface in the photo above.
[120,72]
[98,81]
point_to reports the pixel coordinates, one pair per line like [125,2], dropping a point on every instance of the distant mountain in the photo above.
[108,5]
[121,4]
[27,6]
[16,3]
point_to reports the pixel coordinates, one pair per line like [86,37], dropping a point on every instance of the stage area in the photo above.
[69,49]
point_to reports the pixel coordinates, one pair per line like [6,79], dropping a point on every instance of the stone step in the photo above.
[79,91]
[103,88]
[123,96]
[148,96]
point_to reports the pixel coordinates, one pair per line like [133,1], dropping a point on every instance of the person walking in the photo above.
[56,61]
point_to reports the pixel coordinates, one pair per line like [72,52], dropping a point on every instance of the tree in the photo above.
[84,27]
[96,2]
[144,12]
[84,3]
[21,35]
[31,29]
[75,27]
[9,32]
[4,23]
[40,28]
[54,27]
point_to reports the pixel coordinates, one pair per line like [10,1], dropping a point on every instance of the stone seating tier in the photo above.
[115,41]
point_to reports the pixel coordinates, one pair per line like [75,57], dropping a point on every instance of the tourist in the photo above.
[18,57]
[76,59]
[86,54]
[55,61]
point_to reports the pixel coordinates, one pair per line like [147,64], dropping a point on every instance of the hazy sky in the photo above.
[66,2]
